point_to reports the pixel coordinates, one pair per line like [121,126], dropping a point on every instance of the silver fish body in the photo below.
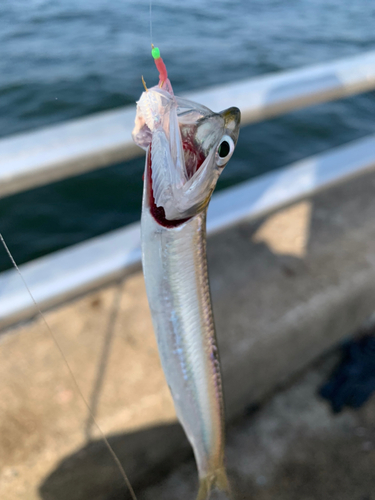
[187,148]
[175,270]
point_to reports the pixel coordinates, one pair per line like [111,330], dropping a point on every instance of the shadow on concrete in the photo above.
[103,362]
[91,474]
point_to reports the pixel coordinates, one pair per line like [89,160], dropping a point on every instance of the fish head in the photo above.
[188,146]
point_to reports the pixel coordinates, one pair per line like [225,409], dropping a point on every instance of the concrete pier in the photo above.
[286,289]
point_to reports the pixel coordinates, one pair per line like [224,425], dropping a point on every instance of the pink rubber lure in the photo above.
[163,73]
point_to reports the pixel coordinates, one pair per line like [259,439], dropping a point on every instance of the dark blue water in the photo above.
[62,59]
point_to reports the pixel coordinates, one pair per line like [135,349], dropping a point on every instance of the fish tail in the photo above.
[218,480]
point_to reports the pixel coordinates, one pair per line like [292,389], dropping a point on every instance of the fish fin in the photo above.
[218,480]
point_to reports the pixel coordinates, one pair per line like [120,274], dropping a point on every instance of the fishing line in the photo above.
[151,21]
[38,309]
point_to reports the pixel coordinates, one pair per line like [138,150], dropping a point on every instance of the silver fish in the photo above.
[187,148]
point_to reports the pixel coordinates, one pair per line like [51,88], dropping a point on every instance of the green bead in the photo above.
[155,53]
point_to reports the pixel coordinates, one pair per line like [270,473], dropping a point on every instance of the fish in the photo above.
[187,147]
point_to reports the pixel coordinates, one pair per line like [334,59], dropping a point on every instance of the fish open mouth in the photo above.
[183,169]
[194,159]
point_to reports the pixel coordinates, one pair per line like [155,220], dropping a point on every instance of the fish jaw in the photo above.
[149,204]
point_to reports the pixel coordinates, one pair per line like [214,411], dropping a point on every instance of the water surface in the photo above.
[67,59]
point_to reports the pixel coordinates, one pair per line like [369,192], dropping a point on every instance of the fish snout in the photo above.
[232,120]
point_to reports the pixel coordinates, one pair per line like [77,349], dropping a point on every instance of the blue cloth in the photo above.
[353,380]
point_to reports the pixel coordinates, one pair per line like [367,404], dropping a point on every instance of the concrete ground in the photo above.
[292,448]
[286,289]
[108,341]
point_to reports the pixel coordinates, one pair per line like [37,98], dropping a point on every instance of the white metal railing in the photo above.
[80,268]
[39,157]
[32,159]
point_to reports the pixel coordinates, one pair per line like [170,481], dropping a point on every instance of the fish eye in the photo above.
[224,150]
